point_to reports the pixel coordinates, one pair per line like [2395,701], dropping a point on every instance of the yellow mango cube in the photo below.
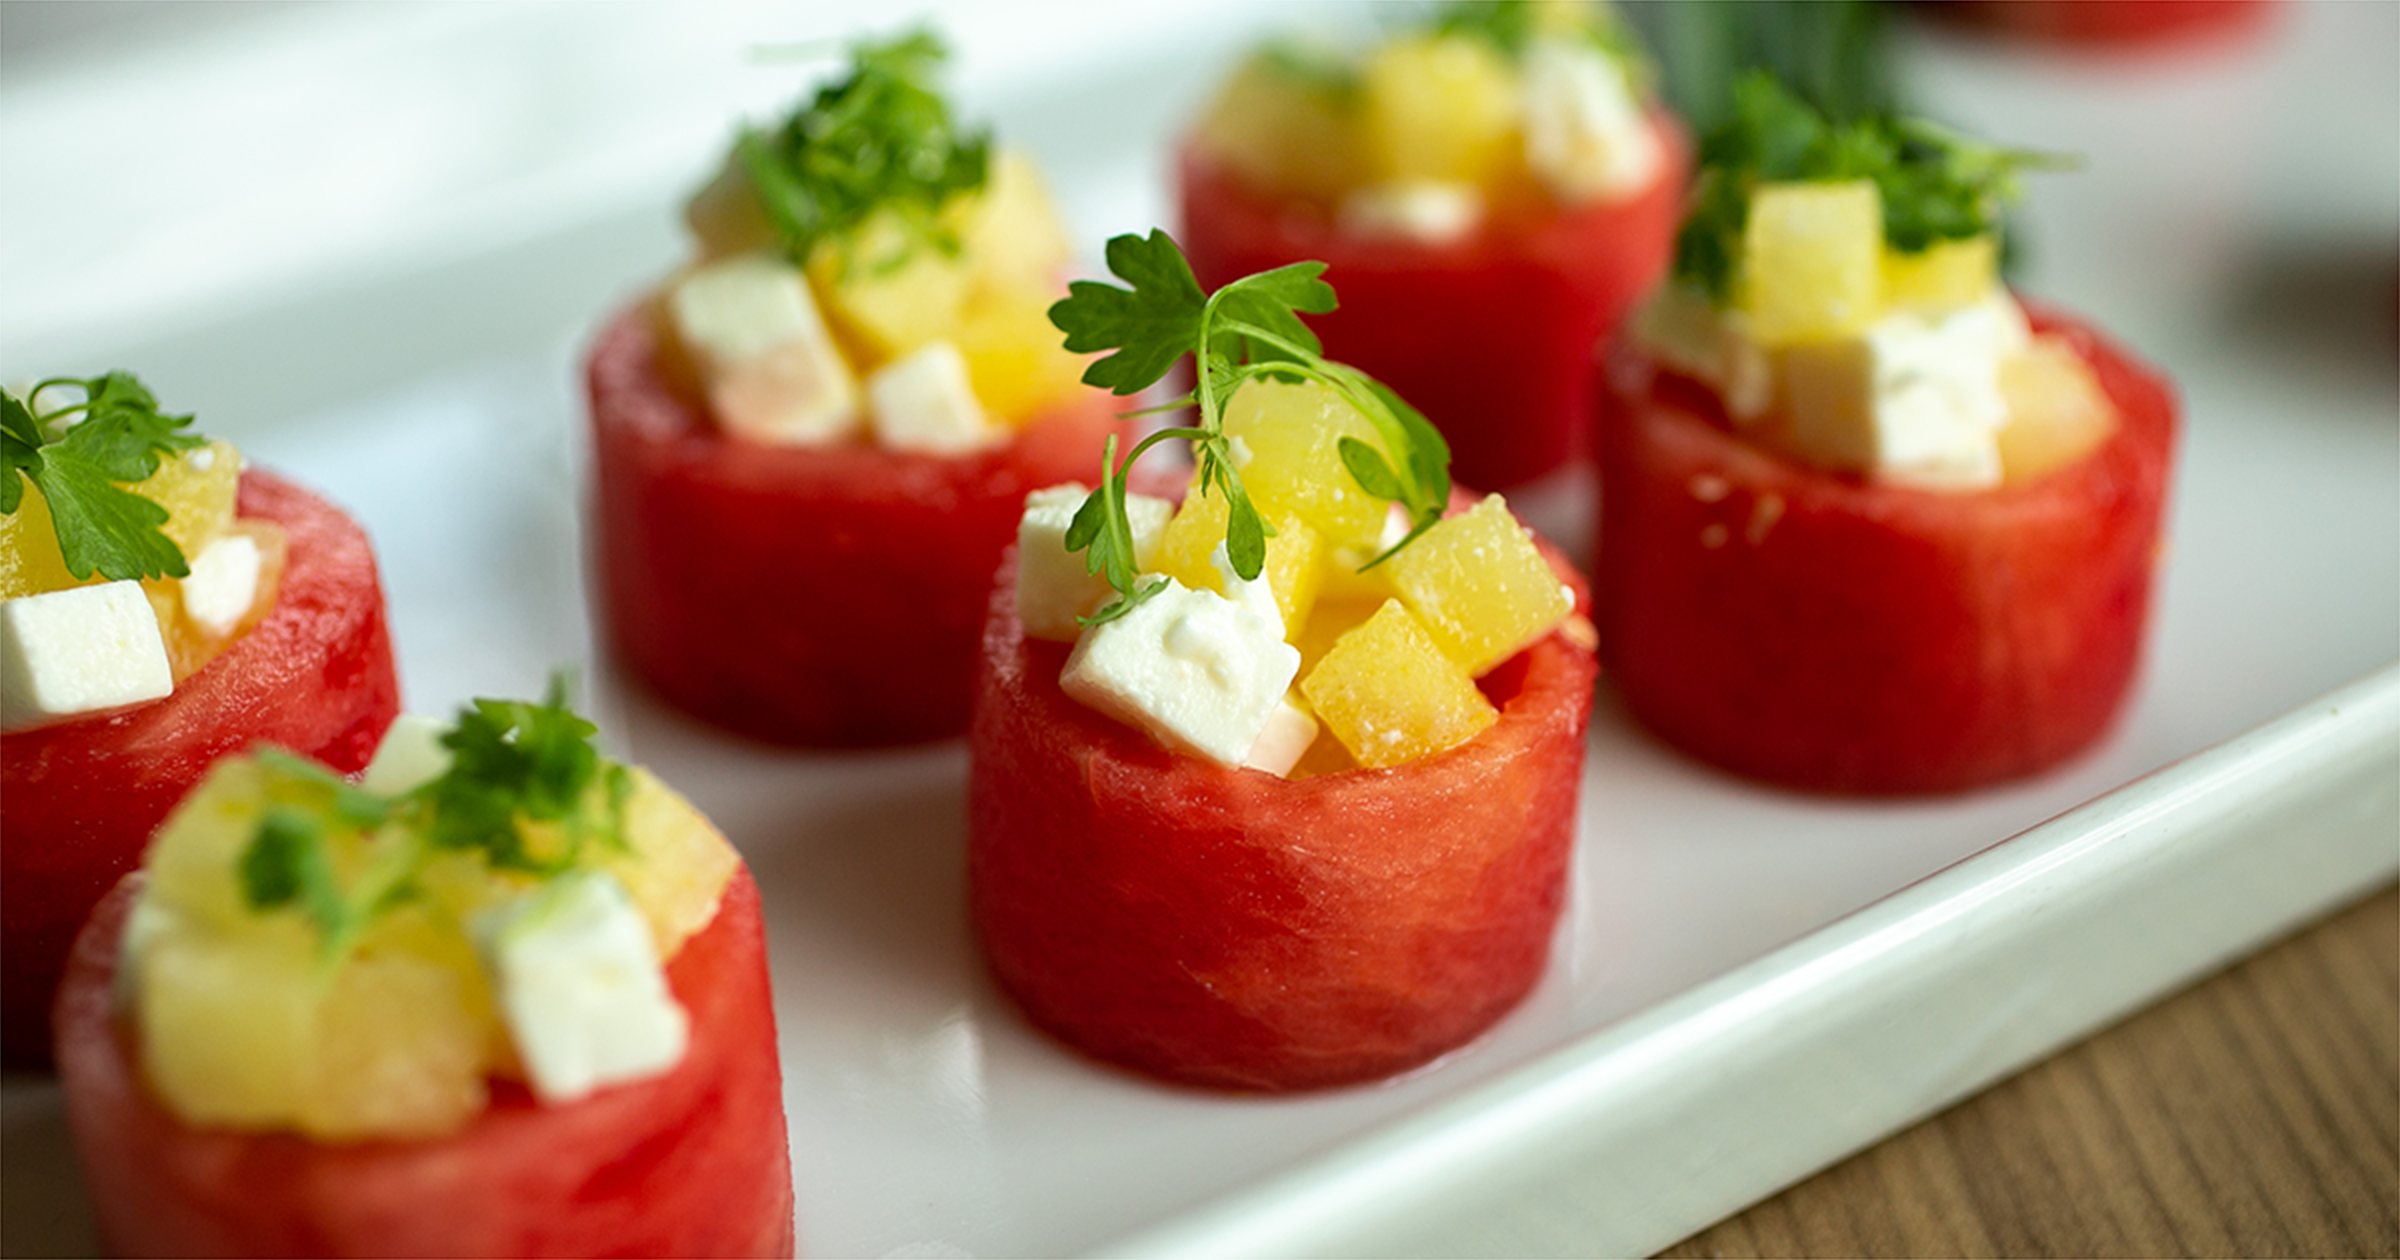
[1440,108]
[1943,276]
[1016,360]
[1333,617]
[1390,695]
[2057,413]
[1480,587]
[1284,130]
[1812,261]
[679,866]
[1014,239]
[887,291]
[30,562]
[1292,567]
[1292,435]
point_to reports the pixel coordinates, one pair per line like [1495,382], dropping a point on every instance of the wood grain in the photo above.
[2257,1113]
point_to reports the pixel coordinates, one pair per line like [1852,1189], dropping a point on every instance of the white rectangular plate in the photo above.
[385,295]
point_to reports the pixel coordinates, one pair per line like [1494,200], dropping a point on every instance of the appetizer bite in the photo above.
[1866,524]
[811,443]
[160,607]
[1491,193]
[1179,861]
[505,997]
[2108,25]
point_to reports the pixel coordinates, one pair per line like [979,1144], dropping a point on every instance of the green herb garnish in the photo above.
[1935,184]
[526,790]
[81,457]
[1248,330]
[881,140]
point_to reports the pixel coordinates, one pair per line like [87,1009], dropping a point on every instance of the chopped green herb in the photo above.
[515,766]
[1248,330]
[881,140]
[82,456]
[1935,184]
[1511,26]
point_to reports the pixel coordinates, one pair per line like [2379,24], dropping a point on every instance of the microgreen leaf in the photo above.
[1248,330]
[1368,469]
[515,767]
[1150,324]
[879,141]
[101,525]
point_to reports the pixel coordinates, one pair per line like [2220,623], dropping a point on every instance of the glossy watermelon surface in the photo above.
[1830,633]
[1490,336]
[1230,929]
[690,1163]
[822,596]
[315,676]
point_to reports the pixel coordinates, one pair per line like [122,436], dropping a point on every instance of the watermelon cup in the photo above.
[692,1162]
[1230,929]
[1492,335]
[1826,632]
[83,797]
[819,596]
[2109,25]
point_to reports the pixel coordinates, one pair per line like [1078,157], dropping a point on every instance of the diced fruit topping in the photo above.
[304,955]
[1440,109]
[1390,695]
[869,235]
[1485,106]
[1479,587]
[142,498]
[2057,412]
[1942,276]
[1294,434]
[1205,636]
[1812,261]
[1838,286]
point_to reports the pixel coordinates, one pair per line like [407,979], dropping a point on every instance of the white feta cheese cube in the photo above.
[1685,331]
[1199,672]
[1256,594]
[223,582]
[923,401]
[1053,587]
[580,987]
[770,367]
[410,756]
[1914,398]
[1430,212]
[1290,730]
[84,650]
[1586,136]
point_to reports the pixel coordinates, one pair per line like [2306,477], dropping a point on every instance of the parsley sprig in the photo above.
[81,456]
[881,140]
[1248,330]
[526,791]
[1935,184]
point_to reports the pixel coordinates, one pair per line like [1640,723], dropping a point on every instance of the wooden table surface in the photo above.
[2256,1113]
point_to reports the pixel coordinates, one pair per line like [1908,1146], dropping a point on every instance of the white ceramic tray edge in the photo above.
[1651,1130]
